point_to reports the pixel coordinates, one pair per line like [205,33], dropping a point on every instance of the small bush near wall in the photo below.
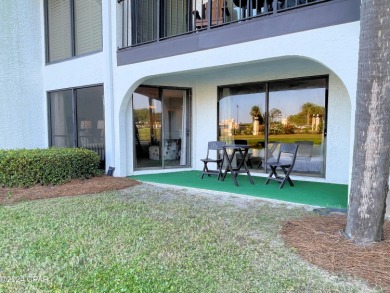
[24,168]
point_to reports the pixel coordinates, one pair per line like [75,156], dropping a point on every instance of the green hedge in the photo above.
[23,168]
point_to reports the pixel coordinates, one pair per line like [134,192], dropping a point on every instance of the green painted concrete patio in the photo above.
[311,193]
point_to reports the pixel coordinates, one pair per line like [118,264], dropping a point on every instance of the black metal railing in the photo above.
[145,21]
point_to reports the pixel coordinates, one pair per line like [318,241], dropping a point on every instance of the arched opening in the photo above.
[293,76]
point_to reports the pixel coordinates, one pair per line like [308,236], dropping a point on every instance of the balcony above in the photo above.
[148,35]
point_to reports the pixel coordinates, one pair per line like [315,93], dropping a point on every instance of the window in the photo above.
[74,27]
[61,119]
[76,118]
[267,114]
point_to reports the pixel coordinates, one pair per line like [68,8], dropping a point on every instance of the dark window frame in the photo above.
[266,84]
[189,117]
[74,111]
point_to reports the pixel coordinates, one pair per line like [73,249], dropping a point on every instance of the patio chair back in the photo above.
[216,148]
[287,154]
[285,161]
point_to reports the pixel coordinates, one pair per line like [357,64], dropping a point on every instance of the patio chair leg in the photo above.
[290,181]
[205,170]
[234,176]
[220,170]
[273,172]
[282,183]
[286,177]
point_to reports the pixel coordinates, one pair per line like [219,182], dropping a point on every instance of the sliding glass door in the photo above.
[297,115]
[161,128]
[242,118]
[264,115]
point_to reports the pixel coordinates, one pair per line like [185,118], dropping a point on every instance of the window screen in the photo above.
[88,26]
[59,30]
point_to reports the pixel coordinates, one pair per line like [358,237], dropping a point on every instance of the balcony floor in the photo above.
[317,194]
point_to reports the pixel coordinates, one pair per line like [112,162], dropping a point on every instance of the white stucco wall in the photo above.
[331,50]
[25,81]
[22,106]
[88,70]
[77,72]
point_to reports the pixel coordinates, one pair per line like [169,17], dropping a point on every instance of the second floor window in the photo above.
[73,28]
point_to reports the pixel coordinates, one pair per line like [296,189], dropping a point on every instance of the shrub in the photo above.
[24,168]
[289,129]
[276,128]
[248,130]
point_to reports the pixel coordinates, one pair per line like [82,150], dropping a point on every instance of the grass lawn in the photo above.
[152,239]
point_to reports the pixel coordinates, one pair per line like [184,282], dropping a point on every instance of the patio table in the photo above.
[241,166]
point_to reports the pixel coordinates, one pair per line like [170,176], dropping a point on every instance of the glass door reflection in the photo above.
[161,128]
[147,115]
[264,115]
[242,120]
[297,115]
[175,129]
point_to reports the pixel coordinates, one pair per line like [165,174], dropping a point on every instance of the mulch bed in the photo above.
[72,188]
[318,240]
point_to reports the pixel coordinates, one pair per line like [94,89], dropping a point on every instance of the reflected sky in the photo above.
[288,102]
[142,102]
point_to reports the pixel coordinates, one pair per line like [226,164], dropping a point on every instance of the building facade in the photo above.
[146,84]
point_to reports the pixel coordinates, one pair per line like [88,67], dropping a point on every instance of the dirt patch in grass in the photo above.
[72,188]
[318,240]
